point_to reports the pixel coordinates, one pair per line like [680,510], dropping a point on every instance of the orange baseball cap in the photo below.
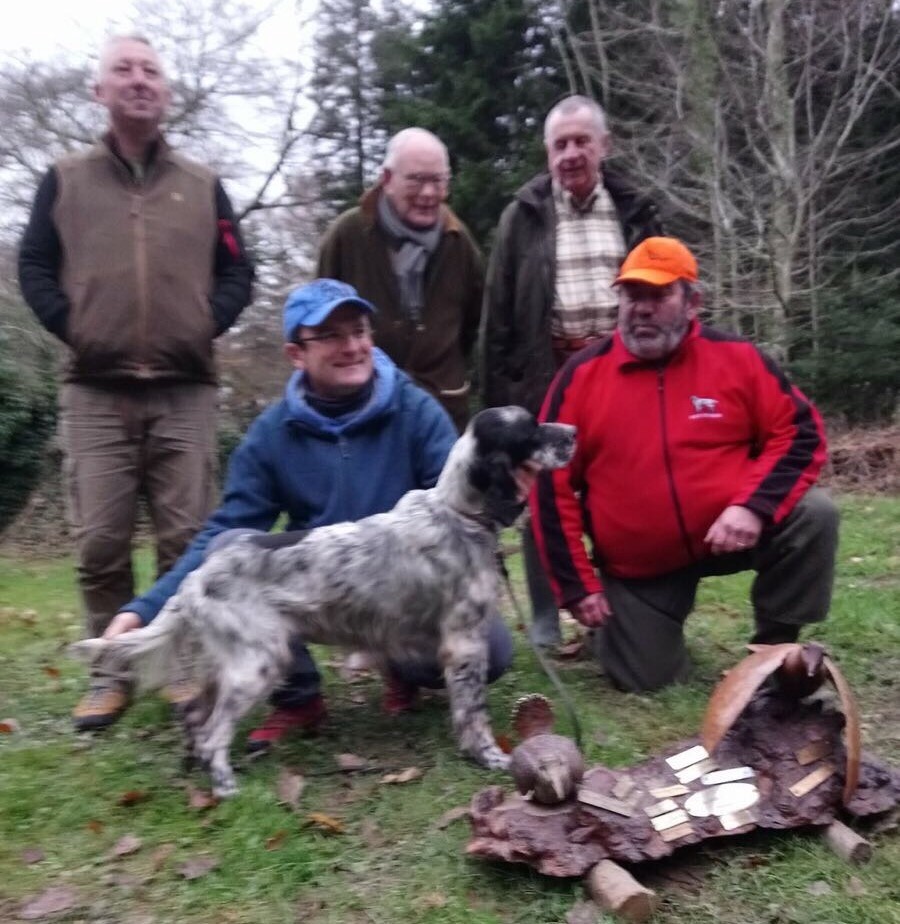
[658,261]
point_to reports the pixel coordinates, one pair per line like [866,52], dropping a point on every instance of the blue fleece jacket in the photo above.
[320,470]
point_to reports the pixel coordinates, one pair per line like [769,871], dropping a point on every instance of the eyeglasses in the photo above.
[416,181]
[334,337]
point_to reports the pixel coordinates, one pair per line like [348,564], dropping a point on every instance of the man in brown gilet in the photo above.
[133,259]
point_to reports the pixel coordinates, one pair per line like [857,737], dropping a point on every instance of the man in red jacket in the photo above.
[696,457]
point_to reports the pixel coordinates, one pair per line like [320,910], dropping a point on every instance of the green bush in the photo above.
[854,372]
[27,421]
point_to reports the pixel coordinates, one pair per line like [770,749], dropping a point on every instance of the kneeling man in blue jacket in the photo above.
[350,437]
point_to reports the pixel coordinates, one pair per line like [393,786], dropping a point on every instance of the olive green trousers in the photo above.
[642,646]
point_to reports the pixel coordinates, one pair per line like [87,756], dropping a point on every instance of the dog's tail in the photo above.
[146,654]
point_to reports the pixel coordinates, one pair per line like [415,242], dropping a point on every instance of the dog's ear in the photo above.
[492,476]
[488,469]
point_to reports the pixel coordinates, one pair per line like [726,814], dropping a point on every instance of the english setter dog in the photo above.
[418,581]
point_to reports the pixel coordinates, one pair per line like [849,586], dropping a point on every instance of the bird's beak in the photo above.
[556,775]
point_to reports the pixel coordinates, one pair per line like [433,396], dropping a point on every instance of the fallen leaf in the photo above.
[754,861]
[8,726]
[127,880]
[855,886]
[200,799]
[350,762]
[276,840]
[95,826]
[32,855]
[51,671]
[404,776]
[290,787]
[570,650]
[325,823]
[127,845]
[132,797]
[819,887]
[356,665]
[52,901]
[432,900]
[504,744]
[451,815]
[371,834]
[583,912]
[160,855]
[197,867]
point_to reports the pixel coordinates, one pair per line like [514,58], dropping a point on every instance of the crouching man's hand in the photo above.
[592,610]
[122,623]
[736,529]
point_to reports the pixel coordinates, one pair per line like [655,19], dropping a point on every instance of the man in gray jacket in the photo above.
[549,283]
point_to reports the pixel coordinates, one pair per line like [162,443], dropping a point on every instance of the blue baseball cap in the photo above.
[309,305]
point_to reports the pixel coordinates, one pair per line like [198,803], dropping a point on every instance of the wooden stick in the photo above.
[847,844]
[616,890]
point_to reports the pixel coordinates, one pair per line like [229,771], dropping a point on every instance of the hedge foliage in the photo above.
[27,421]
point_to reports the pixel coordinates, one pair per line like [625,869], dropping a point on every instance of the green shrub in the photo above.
[27,421]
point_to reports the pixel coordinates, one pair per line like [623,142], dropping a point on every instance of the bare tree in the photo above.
[235,105]
[747,115]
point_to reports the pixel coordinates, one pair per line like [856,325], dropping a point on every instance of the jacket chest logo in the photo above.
[704,407]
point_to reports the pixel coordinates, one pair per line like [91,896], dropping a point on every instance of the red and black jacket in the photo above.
[663,449]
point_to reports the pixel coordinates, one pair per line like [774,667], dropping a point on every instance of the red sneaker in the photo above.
[399,696]
[304,719]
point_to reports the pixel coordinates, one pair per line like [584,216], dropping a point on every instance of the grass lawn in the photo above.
[393,860]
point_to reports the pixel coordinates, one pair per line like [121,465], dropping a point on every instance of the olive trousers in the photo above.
[641,647]
[122,442]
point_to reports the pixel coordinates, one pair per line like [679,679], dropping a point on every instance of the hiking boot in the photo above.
[399,696]
[286,720]
[104,702]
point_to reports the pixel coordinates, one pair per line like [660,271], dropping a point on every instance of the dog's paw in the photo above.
[493,759]
[224,785]
[225,790]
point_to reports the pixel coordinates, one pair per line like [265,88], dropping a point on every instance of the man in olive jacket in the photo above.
[409,254]
[549,291]
[133,259]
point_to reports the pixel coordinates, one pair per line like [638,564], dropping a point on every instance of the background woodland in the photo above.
[768,131]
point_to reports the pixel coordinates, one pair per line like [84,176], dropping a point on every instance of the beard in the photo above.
[656,341]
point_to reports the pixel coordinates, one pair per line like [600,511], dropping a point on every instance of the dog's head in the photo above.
[496,443]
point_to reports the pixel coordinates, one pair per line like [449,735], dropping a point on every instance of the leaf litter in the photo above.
[50,902]
[196,867]
[290,787]
[127,845]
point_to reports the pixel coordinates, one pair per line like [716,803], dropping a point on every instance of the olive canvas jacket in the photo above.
[136,276]
[434,350]
[516,354]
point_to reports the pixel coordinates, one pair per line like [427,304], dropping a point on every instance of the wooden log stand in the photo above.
[847,844]
[617,891]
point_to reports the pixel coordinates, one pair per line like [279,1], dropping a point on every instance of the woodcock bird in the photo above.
[547,765]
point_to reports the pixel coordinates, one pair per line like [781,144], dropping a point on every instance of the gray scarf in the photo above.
[411,249]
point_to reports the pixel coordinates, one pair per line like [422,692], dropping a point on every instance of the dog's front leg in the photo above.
[464,656]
